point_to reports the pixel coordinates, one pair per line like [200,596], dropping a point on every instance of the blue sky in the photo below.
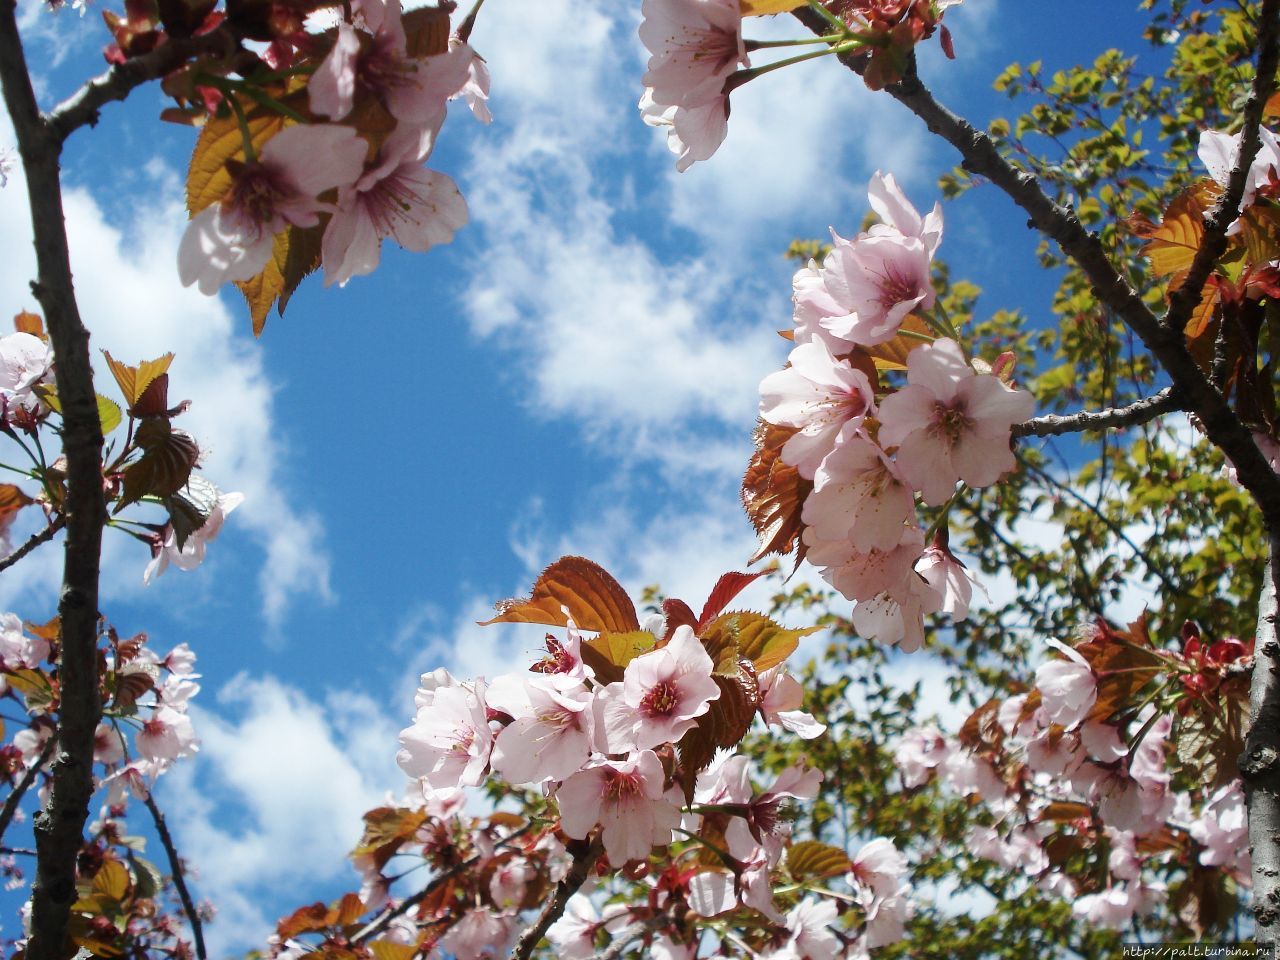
[576,373]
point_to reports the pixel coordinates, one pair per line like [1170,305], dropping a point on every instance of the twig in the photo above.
[44,536]
[179,875]
[376,926]
[981,157]
[83,106]
[59,829]
[629,936]
[1140,411]
[1213,243]
[566,888]
[15,797]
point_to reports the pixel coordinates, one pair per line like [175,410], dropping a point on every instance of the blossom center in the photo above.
[661,699]
[619,786]
[953,422]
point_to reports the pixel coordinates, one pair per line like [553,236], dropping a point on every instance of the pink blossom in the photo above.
[627,798]
[897,619]
[880,866]
[951,578]
[1067,688]
[191,554]
[480,933]
[449,742]
[812,303]
[574,934]
[949,423]
[810,923]
[859,496]
[108,745]
[918,753]
[1219,152]
[25,361]
[860,575]
[508,883]
[968,773]
[233,239]
[878,279]
[550,734]
[886,916]
[662,694]
[168,735]
[819,395]
[17,649]
[1222,829]
[695,46]
[476,90]
[898,216]
[398,198]
[1053,752]
[781,697]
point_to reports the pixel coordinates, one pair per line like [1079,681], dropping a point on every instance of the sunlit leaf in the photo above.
[573,587]
[811,860]
[112,881]
[27,322]
[893,355]
[609,653]
[760,8]
[134,380]
[1172,244]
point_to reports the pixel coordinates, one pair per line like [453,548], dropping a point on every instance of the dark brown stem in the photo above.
[83,106]
[179,875]
[59,829]
[376,926]
[1140,411]
[22,786]
[579,870]
[1260,762]
[44,536]
[1213,244]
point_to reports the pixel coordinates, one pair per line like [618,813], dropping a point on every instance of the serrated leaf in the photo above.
[585,590]
[112,881]
[811,860]
[723,725]
[1260,234]
[109,414]
[766,643]
[760,8]
[1172,245]
[134,380]
[303,920]
[727,587]
[295,254]
[165,466]
[773,494]
[893,354]
[677,614]
[609,653]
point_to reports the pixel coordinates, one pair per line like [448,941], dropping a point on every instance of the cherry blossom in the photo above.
[551,731]
[1067,688]
[781,697]
[878,279]
[168,735]
[449,742]
[191,554]
[1222,829]
[819,395]
[880,866]
[919,752]
[947,575]
[661,695]
[398,198]
[950,423]
[859,496]
[480,933]
[17,648]
[627,798]
[25,361]
[810,924]
[1219,152]
[233,239]
[695,46]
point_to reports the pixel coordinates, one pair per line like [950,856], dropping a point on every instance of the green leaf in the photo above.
[109,414]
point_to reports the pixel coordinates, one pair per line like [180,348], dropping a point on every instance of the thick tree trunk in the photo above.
[1260,763]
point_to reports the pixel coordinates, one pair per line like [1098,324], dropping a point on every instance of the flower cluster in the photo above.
[354,171]
[867,450]
[1087,797]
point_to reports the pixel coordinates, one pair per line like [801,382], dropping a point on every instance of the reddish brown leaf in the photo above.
[303,920]
[1064,812]
[1172,245]
[589,595]
[165,466]
[27,322]
[773,494]
[723,725]
[727,587]
[982,732]
[677,614]
[134,380]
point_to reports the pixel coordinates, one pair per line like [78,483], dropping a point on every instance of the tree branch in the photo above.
[44,536]
[83,106]
[980,156]
[179,875]
[566,888]
[1260,762]
[1214,241]
[59,829]
[29,777]
[375,927]
[1140,411]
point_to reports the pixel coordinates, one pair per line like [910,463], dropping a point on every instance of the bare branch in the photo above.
[59,829]
[29,777]
[44,536]
[981,157]
[1214,241]
[1260,762]
[83,106]
[179,875]
[566,888]
[1140,411]
[630,935]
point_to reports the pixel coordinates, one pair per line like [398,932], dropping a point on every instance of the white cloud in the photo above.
[273,802]
[134,306]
